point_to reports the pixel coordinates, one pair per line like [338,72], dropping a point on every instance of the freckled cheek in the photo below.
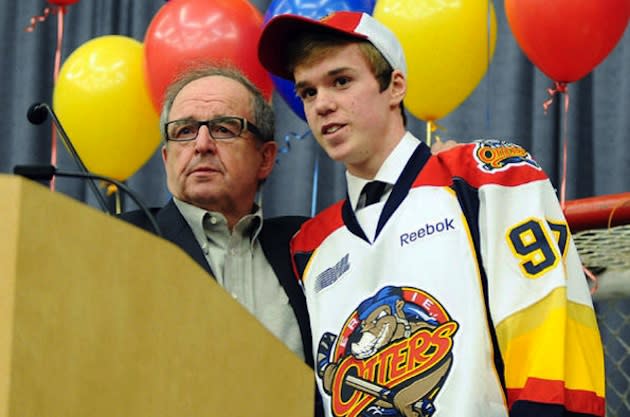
[309,112]
[311,120]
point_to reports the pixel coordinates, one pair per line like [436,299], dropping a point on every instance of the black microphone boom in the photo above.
[46,172]
[37,114]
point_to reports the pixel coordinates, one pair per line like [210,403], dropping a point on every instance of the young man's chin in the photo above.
[340,152]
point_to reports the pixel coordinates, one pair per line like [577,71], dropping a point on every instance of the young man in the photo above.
[454,291]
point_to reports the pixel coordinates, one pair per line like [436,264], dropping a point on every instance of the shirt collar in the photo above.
[250,224]
[388,172]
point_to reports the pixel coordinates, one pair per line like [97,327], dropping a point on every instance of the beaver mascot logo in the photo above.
[391,357]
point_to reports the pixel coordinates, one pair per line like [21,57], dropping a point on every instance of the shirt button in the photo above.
[213,220]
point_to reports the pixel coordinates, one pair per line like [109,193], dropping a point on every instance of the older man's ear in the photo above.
[439,145]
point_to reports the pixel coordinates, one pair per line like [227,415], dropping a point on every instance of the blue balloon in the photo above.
[314,9]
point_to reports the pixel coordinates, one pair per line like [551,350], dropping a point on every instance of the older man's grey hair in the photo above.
[261,109]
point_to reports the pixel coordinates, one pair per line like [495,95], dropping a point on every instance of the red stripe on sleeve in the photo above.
[554,392]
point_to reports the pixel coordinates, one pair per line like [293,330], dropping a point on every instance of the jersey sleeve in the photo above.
[538,298]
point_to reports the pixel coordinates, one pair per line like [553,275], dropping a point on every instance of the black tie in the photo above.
[373,191]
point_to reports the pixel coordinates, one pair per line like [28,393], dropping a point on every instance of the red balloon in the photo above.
[63,2]
[188,32]
[566,39]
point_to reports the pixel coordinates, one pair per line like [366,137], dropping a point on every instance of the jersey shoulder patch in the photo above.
[487,161]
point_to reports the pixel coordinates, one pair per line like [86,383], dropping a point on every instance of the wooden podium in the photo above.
[99,318]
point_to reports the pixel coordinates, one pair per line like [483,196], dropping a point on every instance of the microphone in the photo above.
[37,114]
[46,172]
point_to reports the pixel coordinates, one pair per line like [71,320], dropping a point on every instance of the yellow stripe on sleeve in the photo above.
[555,339]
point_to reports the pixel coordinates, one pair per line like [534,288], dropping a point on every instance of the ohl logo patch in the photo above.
[391,357]
[498,155]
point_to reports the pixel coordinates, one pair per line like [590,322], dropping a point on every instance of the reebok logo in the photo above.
[331,275]
[427,230]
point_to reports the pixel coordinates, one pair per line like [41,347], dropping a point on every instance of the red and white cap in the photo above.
[284,27]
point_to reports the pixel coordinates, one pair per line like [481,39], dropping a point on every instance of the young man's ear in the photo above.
[268,151]
[398,87]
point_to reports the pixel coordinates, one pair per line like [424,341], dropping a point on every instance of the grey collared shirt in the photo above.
[240,267]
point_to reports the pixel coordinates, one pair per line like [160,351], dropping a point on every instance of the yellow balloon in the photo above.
[447,49]
[103,102]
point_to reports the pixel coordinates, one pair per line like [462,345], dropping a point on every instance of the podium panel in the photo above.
[99,318]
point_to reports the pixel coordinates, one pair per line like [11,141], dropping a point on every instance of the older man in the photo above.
[218,148]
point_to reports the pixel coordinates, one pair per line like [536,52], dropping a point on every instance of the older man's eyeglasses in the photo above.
[220,128]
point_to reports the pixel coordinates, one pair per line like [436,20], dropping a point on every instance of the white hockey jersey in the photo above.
[470,301]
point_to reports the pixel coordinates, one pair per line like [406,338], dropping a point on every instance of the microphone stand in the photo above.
[73,152]
[120,185]
[46,172]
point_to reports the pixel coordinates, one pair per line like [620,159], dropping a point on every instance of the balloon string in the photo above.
[113,189]
[286,148]
[587,271]
[60,16]
[30,28]
[611,216]
[612,212]
[593,278]
[560,87]
[53,136]
[432,127]
[488,58]
[315,185]
[38,19]
[565,157]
